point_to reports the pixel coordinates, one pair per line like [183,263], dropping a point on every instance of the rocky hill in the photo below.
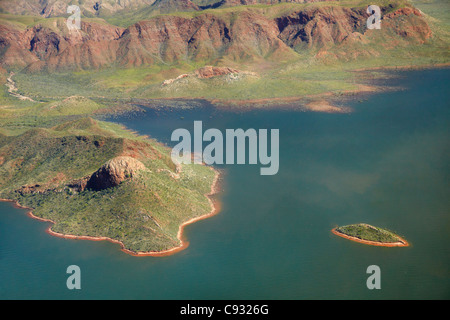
[114,172]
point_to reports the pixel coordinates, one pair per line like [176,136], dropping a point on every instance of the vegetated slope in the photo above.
[55,8]
[216,35]
[233,3]
[17,116]
[106,8]
[169,6]
[94,179]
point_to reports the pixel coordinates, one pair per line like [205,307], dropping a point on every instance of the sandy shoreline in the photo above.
[215,208]
[401,243]
[407,67]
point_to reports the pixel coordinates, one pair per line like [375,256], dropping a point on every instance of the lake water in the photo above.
[386,164]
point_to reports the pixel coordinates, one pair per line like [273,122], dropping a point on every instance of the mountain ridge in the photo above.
[102,8]
[206,37]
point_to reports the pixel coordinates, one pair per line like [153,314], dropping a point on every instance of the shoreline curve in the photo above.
[401,243]
[215,209]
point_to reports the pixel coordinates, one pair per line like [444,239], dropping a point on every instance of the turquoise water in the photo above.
[385,164]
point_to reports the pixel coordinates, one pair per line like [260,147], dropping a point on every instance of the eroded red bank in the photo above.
[401,243]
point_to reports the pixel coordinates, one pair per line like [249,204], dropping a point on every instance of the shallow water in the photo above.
[385,164]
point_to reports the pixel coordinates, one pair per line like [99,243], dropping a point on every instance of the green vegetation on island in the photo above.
[367,232]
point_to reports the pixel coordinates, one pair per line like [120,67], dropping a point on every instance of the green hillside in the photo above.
[44,168]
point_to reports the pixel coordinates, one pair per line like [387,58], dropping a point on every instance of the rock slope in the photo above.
[207,37]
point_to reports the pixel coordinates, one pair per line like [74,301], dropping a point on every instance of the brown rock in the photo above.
[114,172]
[209,72]
[79,184]
[413,26]
[29,189]
[320,26]
[404,11]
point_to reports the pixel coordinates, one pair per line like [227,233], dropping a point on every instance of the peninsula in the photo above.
[95,180]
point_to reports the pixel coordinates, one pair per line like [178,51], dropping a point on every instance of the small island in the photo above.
[370,235]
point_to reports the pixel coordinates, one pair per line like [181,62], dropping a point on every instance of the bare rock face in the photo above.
[113,172]
[209,72]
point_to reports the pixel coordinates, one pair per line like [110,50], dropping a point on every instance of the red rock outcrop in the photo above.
[320,26]
[209,72]
[413,26]
[114,172]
